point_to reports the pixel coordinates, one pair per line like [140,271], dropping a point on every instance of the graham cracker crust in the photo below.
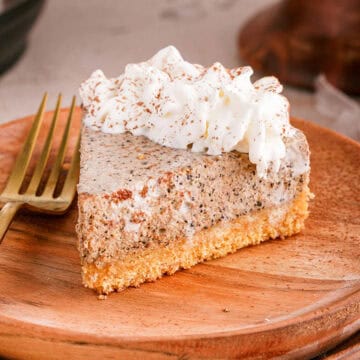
[217,241]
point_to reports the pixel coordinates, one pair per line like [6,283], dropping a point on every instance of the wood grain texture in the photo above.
[292,298]
[348,350]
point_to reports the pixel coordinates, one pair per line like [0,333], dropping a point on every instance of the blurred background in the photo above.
[54,45]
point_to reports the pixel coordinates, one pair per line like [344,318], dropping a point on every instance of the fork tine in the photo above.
[69,188]
[55,171]
[38,172]
[19,170]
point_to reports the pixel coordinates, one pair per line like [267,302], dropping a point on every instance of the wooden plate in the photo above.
[292,298]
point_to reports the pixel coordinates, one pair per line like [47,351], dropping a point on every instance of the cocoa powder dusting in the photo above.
[120,195]
[144,191]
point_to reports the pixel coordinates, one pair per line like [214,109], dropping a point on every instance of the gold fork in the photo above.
[45,202]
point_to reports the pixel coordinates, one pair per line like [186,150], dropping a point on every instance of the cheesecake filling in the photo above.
[188,106]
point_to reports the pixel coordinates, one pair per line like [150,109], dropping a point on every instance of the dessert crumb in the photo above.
[141,156]
[102,297]
[225,310]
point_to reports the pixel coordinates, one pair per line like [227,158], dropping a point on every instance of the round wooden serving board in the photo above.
[291,298]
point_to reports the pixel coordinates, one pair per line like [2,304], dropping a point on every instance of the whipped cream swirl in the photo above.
[188,106]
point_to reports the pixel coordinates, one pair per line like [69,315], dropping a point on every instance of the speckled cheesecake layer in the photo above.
[136,195]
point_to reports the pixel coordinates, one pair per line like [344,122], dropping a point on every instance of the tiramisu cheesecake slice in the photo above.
[181,164]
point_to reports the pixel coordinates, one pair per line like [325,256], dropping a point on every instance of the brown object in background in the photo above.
[292,298]
[298,39]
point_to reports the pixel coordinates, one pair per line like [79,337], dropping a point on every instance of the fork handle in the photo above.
[7,214]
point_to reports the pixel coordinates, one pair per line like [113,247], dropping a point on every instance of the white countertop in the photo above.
[73,37]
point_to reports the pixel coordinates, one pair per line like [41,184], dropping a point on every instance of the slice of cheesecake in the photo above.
[146,210]
[182,163]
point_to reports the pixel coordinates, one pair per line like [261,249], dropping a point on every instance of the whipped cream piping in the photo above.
[183,105]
